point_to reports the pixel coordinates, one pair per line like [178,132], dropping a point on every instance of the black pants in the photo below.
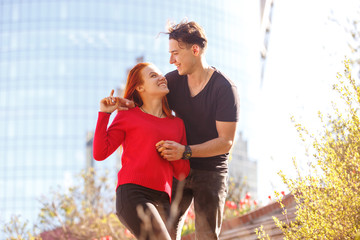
[143,211]
[208,190]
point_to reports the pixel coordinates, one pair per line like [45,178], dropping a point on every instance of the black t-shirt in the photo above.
[218,101]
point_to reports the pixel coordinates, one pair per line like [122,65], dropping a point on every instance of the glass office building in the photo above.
[58,58]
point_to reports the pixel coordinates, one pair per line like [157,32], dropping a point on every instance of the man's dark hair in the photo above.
[187,32]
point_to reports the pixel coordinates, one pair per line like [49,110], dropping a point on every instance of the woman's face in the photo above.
[154,82]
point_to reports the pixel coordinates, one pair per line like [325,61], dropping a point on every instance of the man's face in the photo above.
[181,56]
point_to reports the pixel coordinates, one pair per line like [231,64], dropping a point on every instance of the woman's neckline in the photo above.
[163,116]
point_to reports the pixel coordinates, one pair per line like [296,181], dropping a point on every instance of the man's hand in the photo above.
[170,150]
[111,103]
[125,104]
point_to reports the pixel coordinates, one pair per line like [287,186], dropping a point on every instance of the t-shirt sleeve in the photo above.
[107,140]
[181,167]
[228,105]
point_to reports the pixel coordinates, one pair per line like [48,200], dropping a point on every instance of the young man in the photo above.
[207,101]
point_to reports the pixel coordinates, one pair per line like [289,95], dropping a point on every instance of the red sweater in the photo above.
[138,132]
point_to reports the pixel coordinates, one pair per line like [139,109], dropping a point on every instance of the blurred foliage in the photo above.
[238,200]
[237,187]
[85,211]
[328,197]
[17,229]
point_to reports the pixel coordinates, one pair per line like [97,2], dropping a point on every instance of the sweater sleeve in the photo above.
[181,167]
[107,140]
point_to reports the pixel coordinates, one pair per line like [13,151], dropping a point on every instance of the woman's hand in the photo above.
[111,103]
[170,150]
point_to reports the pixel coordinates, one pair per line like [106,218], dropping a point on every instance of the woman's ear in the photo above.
[140,88]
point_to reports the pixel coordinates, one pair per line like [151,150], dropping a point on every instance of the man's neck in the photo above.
[199,74]
[198,79]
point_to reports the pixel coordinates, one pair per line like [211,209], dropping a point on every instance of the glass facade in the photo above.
[58,58]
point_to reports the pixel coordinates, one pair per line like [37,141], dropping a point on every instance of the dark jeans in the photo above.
[143,211]
[208,189]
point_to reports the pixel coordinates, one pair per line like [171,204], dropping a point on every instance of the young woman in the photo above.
[143,192]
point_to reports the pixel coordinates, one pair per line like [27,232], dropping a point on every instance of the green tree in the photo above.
[85,211]
[17,229]
[328,196]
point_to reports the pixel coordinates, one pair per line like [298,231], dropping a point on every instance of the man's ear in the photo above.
[195,49]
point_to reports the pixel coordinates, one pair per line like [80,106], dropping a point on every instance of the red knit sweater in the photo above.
[138,132]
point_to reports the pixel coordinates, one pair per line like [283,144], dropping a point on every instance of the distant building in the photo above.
[242,168]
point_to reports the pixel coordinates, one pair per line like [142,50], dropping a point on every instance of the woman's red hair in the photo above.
[134,80]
